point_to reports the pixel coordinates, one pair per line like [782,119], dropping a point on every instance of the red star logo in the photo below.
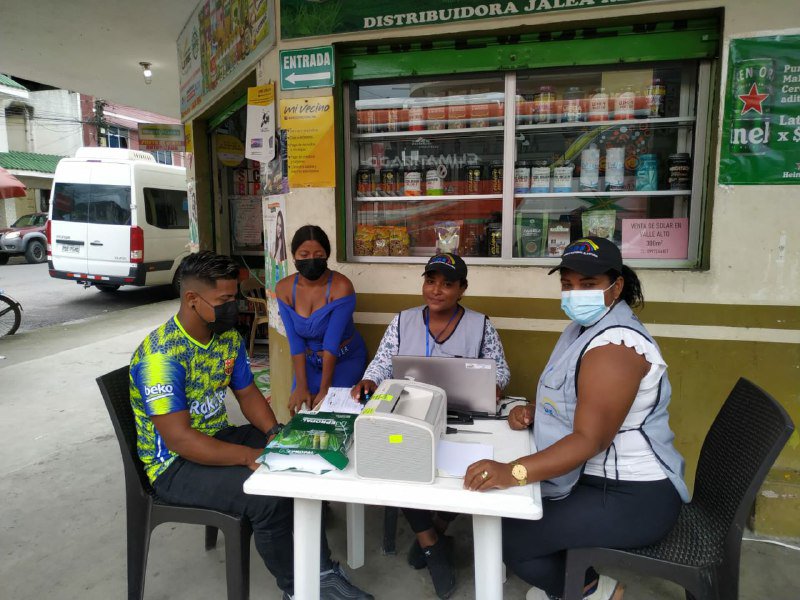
[752,100]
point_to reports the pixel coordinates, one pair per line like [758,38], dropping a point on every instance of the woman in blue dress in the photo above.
[316,306]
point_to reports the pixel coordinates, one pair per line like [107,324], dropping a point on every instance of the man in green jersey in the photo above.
[192,455]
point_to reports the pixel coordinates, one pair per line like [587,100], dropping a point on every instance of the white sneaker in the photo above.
[604,591]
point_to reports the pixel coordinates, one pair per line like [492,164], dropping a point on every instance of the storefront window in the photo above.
[510,168]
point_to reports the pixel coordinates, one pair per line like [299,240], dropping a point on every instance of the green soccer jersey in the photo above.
[171,372]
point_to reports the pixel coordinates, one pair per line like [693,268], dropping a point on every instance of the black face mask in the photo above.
[311,268]
[226,316]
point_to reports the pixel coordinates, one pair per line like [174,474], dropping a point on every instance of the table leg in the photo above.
[307,523]
[488,541]
[355,535]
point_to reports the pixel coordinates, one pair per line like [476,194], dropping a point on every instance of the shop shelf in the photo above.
[663,122]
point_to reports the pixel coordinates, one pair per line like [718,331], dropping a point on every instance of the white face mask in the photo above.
[585,307]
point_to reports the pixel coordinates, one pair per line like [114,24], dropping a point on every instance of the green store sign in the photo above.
[305,18]
[761,127]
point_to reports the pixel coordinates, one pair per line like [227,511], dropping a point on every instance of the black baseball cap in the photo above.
[591,256]
[452,266]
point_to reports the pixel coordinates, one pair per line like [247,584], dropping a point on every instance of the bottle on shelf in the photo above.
[474,178]
[572,107]
[544,105]
[615,169]
[679,167]
[647,173]
[655,96]
[522,177]
[434,180]
[540,177]
[496,177]
[416,114]
[590,169]
[365,180]
[562,177]
[625,103]
[412,180]
[598,105]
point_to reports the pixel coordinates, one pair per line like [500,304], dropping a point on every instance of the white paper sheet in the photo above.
[338,399]
[453,458]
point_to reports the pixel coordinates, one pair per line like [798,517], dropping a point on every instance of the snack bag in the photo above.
[381,244]
[313,442]
[448,234]
[399,242]
[364,240]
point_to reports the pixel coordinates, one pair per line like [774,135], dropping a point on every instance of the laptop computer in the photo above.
[470,383]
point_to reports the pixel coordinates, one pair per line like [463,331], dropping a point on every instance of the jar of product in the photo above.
[625,103]
[365,181]
[562,177]
[434,182]
[590,169]
[572,109]
[437,114]
[494,239]
[655,96]
[540,177]
[647,173]
[522,177]
[680,171]
[396,117]
[412,181]
[525,109]
[416,115]
[457,113]
[480,114]
[389,183]
[496,177]
[544,105]
[474,179]
[615,169]
[598,105]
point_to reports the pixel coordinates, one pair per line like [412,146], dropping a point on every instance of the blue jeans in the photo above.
[221,488]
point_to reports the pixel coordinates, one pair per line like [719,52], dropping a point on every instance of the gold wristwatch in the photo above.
[520,473]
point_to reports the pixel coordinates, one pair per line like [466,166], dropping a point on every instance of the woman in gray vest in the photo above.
[609,473]
[442,327]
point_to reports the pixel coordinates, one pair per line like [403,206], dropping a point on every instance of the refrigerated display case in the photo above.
[508,168]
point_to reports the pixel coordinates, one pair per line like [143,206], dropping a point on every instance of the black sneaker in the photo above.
[440,565]
[416,557]
[334,585]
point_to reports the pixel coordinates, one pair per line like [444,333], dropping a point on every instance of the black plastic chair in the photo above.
[145,512]
[701,553]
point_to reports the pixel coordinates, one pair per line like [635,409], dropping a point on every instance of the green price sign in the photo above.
[307,68]
[761,130]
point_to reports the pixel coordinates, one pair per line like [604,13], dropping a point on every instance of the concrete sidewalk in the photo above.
[62,521]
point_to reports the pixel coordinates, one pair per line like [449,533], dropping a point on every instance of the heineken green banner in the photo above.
[761,128]
[305,18]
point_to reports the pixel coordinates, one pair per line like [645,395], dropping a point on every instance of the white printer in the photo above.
[397,432]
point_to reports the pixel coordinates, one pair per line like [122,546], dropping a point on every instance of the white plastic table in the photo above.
[446,493]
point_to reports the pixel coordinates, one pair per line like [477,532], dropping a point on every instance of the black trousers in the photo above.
[422,520]
[221,488]
[619,514]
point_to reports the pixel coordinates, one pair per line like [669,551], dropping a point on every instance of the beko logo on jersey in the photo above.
[159,389]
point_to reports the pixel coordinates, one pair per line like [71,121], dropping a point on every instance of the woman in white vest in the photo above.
[442,327]
[609,472]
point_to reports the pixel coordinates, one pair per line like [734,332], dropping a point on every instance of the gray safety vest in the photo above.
[557,397]
[465,341]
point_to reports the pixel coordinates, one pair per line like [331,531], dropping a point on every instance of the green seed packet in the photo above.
[311,442]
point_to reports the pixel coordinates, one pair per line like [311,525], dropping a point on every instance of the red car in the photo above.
[25,236]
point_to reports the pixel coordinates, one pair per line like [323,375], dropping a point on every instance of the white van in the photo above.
[117,217]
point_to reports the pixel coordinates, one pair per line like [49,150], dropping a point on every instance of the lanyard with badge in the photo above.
[428,333]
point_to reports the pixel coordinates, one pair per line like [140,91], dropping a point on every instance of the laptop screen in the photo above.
[470,383]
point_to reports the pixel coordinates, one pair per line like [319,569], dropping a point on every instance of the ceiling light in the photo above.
[147,72]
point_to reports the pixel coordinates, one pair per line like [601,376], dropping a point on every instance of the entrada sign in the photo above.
[301,18]
[306,68]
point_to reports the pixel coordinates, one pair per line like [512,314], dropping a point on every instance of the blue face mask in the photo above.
[585,307]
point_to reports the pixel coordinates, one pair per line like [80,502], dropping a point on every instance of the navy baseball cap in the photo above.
[591,256]
[452,266]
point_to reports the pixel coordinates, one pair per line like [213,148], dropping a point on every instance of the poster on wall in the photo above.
[260,136]
[761,127]
[309,126]
[246,233]
[275,174]
[191,198]
[304,18]
[221,40]
[655,238]
[276,255]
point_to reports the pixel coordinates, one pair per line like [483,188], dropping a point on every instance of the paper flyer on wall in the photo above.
[260,141]
[276,255]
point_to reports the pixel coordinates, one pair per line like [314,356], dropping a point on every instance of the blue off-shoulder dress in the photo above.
[328,328]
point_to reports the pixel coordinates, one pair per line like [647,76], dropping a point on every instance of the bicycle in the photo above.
[10,315]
